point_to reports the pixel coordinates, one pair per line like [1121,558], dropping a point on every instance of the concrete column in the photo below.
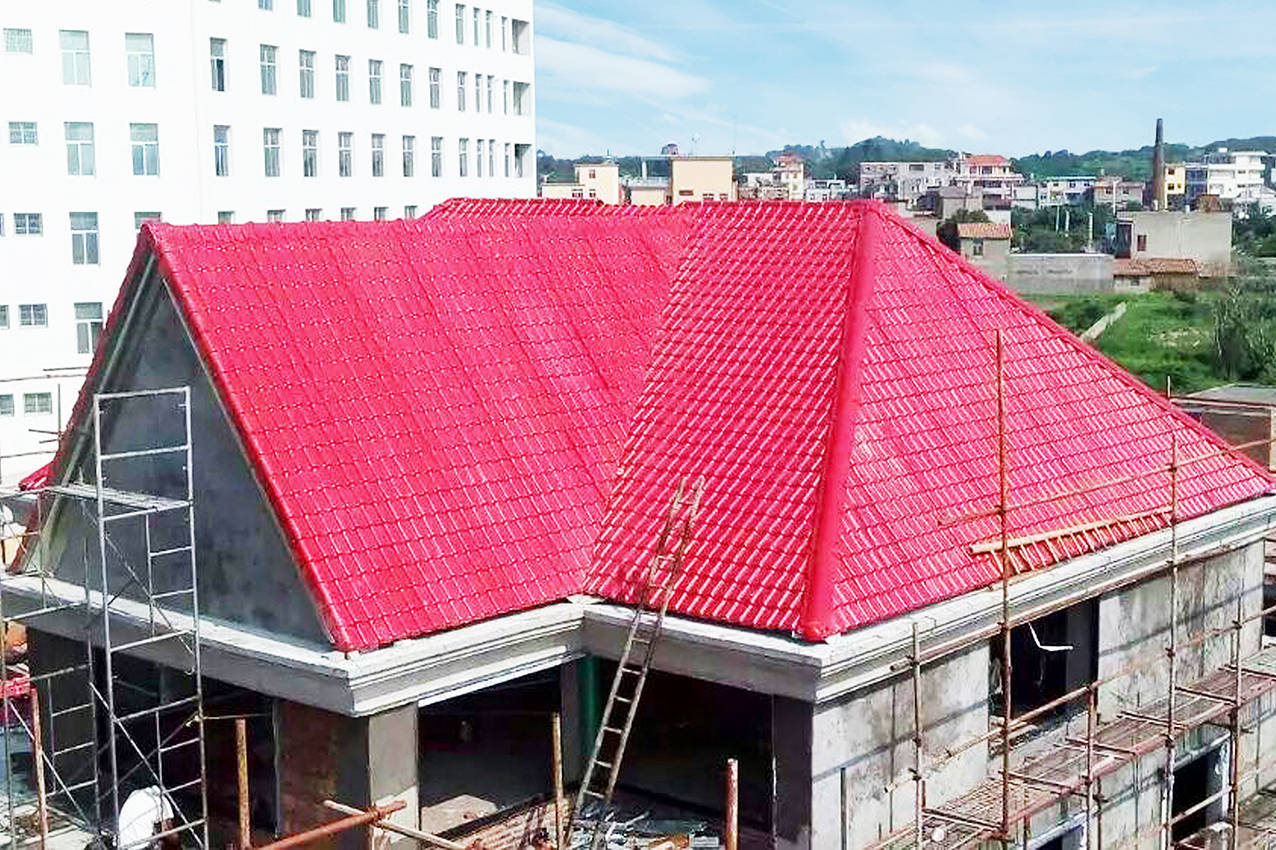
[394,769]
[791,726]
[321,755]
[574,753]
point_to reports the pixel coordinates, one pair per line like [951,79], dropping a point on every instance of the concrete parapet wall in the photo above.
[1060,274]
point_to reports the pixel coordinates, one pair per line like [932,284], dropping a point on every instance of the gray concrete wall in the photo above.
[995,260]
[1059,274]
[247,574]
[862,743]
[1204,237]
[393,769]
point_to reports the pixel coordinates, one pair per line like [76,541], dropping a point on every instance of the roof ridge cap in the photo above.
[816,619]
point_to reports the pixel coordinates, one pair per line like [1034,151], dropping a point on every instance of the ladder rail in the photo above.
[659,585]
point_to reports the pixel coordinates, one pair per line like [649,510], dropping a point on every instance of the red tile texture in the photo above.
[488,408]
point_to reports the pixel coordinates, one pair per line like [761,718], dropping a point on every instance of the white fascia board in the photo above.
[441,666]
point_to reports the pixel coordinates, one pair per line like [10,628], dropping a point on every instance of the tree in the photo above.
[947,230]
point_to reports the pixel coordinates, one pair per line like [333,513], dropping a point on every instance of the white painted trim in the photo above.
[447,664]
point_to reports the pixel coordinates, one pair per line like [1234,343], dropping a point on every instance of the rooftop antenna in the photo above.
[695,140]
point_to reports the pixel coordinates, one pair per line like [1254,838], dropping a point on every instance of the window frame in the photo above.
[85,239]
[217,63]
[306,74]
[88,329]
[33,315]
[140,63]
[268,57]
[146,152]
[309,153]
[272,150]
[77,62]
[342,77]
[221,150]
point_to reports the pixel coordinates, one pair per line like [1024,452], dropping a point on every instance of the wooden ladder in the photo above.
[627,685]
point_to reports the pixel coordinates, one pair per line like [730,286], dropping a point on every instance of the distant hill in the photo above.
[1135,164]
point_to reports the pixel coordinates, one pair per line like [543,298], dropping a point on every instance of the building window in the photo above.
[505,25]
[491,157]
[338,11]
[84,238]
[436,156]
[374,81]
[347,213]
[22,133]
[405,16]
[507,159]
[977,248]
[33,315]
[313,213]
[79,148]
[520,39]
[409,156]
[140,49]
[378,154]
[435,94]
[140,218]
[17,41]
[405,85]
[478,157]
[487,29]
[343,78]
[491,84]
[345,154]
[88,326]
[37,404]
[270,142]
[374,14]
[460,91]
[217,62]
[267,5]
[579,194]
[225,216]
[520,151]
[303,8]
[379,213]
[476,27]
[1141,242]
[432,18]
[505,95]
[309,153]
[478,92]
[306,66]
[269,59]
[6,404]
[275,216]
[145,141]
[462,157]
[520,95]
[409,211]
[75,57]
[221,150]
[460,24]
[27,224]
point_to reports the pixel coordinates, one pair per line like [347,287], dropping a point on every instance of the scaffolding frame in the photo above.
[161,742]
[1002,807]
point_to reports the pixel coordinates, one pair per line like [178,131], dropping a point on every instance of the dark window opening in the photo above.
[1051,656]
[1142,242]
[1200,778]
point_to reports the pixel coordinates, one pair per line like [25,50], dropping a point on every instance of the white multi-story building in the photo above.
[1235,176]
[204,111]
[1059,191]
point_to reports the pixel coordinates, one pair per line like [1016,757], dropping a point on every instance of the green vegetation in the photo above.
[1135,164]
[1161,334]
[1255,235]
[1035,230]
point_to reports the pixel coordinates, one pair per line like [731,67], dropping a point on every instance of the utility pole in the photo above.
[1089,239]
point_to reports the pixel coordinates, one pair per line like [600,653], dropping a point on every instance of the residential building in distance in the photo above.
[992,173]
[1204,237]
[1064,191]
[987,245]
[786,181]
[234,111]
[1026,196]
[701,178]
[647,191]
[904,181]
[828,190]
[1175,185]
[594,181]
[1235,177]
[1118,192]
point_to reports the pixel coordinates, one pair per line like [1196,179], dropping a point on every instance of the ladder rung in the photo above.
[614,729]
[631,670]
[589,793]
[605,764]
[619,698]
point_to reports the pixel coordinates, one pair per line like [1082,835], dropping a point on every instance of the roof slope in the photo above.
[831,372]
[433,408]
[487,409]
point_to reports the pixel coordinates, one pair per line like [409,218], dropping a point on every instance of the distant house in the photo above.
[1157,273]
[1117,192]
[987,245]
[701,178]
[598,181]
[1060,191]
[1200,236]
[992,173]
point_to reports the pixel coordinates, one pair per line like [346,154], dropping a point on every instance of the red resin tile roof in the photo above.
[982,230]
[487,409]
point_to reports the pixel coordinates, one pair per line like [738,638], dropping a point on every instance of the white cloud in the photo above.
[584,66]
[971,132]
[555,21]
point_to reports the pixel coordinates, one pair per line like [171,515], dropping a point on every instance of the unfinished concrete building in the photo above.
[942,550]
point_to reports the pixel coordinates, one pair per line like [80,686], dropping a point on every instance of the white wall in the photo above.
[39,269]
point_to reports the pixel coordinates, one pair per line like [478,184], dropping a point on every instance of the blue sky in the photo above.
[992,76]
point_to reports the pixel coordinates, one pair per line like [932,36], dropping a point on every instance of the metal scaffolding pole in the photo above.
[1003,508]
[1171,651]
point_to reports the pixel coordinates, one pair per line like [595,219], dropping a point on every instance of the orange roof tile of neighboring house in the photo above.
[982,230]
[1155,265]
[987,159]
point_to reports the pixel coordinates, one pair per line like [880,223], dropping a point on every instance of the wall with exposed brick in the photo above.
[321,756]
[515,830]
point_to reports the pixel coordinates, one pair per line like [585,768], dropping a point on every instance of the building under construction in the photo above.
[786,486]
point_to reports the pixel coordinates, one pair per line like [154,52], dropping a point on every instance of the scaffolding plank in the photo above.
[123,498]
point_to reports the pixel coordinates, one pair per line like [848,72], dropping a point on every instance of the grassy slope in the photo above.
[1161,335]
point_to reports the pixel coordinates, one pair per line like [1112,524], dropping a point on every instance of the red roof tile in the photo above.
[509,390]
[982,230]
[1141,266]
